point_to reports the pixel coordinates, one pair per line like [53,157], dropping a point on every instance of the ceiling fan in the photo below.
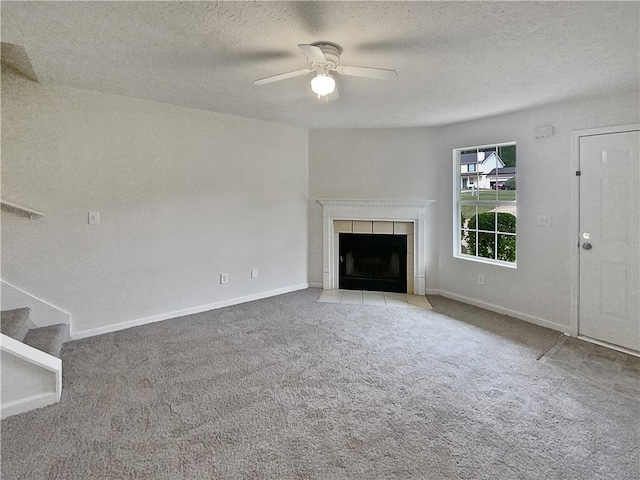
[325,58]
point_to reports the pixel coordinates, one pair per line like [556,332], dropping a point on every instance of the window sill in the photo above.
[488,261]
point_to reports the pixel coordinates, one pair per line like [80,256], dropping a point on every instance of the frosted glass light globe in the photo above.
[323,84]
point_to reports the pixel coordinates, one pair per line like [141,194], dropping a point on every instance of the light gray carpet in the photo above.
[290,388]
[15,323]
[49,339]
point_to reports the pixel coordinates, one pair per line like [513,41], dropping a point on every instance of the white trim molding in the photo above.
[609,345]
[502,311]
[42,313]
[413,211]
[181,313]
[23,405]
[40,359]
[30,354]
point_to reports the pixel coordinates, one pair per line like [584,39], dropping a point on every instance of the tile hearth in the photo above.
[378,299]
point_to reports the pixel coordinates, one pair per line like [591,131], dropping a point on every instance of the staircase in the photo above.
[31,364]
[15,323]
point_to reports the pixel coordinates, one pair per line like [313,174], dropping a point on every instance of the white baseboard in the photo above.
[628,351]
[187,311]
[501,310]
[26,404]
[315,285]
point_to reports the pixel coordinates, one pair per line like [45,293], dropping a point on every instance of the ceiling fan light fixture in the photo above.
[324,58]
[323,84]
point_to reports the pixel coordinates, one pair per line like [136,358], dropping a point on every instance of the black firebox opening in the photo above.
[373,262]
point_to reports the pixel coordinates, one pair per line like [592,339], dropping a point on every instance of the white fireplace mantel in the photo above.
[373,210]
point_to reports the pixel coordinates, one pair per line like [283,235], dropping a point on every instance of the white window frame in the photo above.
[457,203]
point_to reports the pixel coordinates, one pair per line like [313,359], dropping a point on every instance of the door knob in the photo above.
[587,246]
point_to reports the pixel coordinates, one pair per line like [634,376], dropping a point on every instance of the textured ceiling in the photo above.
[456,60]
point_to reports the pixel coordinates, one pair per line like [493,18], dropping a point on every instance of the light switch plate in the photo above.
[544,220]
[94,218]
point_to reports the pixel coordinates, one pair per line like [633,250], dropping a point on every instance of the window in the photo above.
[485,207]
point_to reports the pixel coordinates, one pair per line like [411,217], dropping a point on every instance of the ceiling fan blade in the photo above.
[15,57]
[313,53]
[369,72]
[282,76]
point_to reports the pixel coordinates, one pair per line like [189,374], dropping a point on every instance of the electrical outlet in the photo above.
[480,279]
[224,278]
[254,273]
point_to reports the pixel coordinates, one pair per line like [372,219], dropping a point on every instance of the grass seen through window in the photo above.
[485,217]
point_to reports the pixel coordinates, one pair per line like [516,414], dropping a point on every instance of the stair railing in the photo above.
[19,210]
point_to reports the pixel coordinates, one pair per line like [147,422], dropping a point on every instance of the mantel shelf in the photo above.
[335,202]
[18,210]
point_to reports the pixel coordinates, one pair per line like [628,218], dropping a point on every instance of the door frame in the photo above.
[574,325]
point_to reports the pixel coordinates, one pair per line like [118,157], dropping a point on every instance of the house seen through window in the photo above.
[485,210]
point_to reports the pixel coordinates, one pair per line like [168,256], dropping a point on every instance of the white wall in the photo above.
[21,379]
[183,195]
[417,163]
[186,194]
[41,313]
[540,287]
[372,164]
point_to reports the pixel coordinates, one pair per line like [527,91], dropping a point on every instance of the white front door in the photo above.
[609,286]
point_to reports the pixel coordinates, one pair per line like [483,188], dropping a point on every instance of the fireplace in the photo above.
[373,262]
[392,217]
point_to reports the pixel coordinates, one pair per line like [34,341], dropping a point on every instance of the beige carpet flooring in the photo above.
[292,388]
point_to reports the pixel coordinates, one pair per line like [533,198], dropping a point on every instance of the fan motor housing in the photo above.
[331,52]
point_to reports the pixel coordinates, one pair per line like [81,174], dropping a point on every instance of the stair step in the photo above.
[48,339]
[15,323]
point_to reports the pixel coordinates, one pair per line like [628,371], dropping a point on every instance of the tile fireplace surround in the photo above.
[396,213]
